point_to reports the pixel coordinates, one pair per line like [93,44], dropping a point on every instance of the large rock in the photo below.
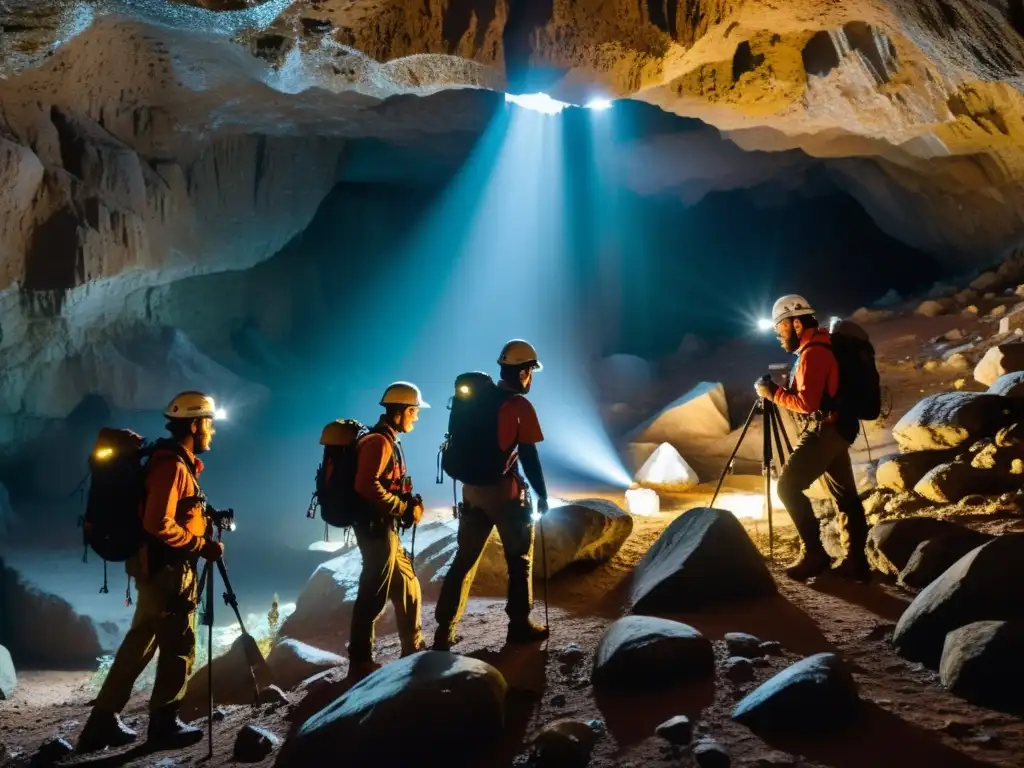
[983,662]
[53,614]
[430,703]
[814,694]
[948,483]
[1008,385]
[982,585]
[8,677]
[703,558]
[931,558]
[891,542]
[900,472]
[234,681]
[701,413]
[292,661]
[643,651]
[949,419]
[998,361]
[563,744]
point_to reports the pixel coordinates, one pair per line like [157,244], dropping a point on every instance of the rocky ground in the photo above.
[906,716]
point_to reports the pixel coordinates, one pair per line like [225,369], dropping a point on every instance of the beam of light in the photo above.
[536,102]
[749,506]
[765,324]
[599,104]
[220,414]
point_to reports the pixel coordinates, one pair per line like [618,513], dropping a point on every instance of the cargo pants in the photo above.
[387,573]
[483,508]
[164,620]
[824,453]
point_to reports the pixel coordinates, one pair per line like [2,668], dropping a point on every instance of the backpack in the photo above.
[335,494]
[860,386]
[470,452]
[112,524]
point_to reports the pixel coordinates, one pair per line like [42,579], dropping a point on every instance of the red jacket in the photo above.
[815,375]
[375,482]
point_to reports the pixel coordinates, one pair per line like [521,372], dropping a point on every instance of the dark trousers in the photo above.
[824,453]
[483,509]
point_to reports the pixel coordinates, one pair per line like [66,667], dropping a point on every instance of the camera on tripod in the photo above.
[222,519]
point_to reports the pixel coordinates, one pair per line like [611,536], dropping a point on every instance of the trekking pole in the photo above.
[544,558]
[206,590]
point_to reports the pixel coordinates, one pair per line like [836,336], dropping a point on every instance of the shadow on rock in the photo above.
[773,618]
[871,597]
[877,738]
[633,716]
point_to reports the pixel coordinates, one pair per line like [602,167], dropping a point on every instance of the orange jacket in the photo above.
[815,375]
[374,482]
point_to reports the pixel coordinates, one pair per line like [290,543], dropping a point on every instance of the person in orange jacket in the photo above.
[164,568]
[823,449]
[385,488]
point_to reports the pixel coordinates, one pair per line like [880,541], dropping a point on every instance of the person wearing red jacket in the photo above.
[164,569]
[824,448]
[385,491]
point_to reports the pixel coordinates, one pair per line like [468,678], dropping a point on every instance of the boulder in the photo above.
[984,664]
[704,557]
[931,558]
[292,661]
[8,677]
[1008,385]
[644,651]
[742,644]
[948,483]
[253,744]
[739,669]
[708,753]
[1011,321]
[982,585]
[814,694]
[984,282]
[702,412]
[678,730]
[563,744]
[998,361]
[932,308]
[1000,457]
[900,472]
[429,703]
[57,591]
[949,419]
[665,468]
[233,682]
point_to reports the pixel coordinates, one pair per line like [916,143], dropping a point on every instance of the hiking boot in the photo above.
[167,731]
[809,565]
[528,632]
[102,730]
[444,639]
[853,568]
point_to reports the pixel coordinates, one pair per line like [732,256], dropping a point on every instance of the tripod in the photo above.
[774,432]
[206,583]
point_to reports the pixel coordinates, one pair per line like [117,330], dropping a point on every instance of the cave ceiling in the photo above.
[145,141]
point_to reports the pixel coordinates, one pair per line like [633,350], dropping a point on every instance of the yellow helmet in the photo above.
[191,405]
[403,393]
[519,352]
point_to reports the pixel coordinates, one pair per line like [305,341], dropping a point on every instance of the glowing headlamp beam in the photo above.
[220,414]
[103,453]
[765,324]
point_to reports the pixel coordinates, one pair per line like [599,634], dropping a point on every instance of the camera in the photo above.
[223,519]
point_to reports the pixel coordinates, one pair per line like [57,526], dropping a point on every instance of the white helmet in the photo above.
[518,352]
[403,393]
[191,405]
[790,306]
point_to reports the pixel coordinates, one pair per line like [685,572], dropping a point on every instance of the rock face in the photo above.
[980,586]
[8,677]
[447,704]
[982,662]
[644,651]
[704,557]
[949,419]
[813,694]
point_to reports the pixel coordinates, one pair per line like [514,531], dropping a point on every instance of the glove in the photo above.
[212,550]
[413,511]
[542,504]
[764,388]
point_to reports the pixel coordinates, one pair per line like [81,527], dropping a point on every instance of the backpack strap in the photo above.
[179,455]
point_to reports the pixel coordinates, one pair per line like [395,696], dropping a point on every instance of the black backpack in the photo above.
[335,494]
[860,386]
[470,452]
[112,524]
